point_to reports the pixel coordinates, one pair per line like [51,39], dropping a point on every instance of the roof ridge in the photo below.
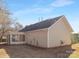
[42,24]
[47,19]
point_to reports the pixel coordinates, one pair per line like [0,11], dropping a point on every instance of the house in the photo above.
[49,33]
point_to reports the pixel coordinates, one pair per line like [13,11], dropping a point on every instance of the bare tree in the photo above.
[5,21]
[17,26]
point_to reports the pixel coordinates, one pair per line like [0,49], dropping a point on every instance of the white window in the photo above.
[14,38]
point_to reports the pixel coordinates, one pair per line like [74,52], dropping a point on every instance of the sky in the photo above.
[31,11]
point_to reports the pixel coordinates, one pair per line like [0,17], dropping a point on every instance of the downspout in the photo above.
[47,38]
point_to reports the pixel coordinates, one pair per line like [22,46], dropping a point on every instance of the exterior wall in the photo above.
[59,34]
[37,37]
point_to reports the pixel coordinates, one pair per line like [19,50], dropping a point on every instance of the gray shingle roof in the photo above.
[40,25]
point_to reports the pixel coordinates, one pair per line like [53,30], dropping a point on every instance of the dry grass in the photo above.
[3,54]
[75,54]
[26,51]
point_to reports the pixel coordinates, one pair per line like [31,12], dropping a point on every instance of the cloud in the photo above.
[35,10]
[42,10]
[61,3]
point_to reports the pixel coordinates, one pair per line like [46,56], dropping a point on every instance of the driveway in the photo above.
[27,51]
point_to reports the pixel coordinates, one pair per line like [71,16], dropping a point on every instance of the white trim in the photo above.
[56,22]
[16,32]
[3,42]
[68,24]
[37,30]
[18,42]
[48,39]
[60,20]
[75,33]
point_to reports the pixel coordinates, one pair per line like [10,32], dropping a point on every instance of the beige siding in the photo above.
[37,37]
[57,33]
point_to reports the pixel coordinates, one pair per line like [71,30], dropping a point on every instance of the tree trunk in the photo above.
[2,35]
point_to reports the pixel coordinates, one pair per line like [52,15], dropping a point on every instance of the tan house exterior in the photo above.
[37,37]
[59,34]
[49,33]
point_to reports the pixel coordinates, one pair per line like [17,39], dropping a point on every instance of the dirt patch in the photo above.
[26,51]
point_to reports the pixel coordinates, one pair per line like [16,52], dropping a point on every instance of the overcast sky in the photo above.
[29,11]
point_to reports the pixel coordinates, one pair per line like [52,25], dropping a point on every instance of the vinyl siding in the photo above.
[57,33]
[37,37]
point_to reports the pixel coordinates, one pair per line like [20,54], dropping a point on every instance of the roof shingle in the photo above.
[40,25]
